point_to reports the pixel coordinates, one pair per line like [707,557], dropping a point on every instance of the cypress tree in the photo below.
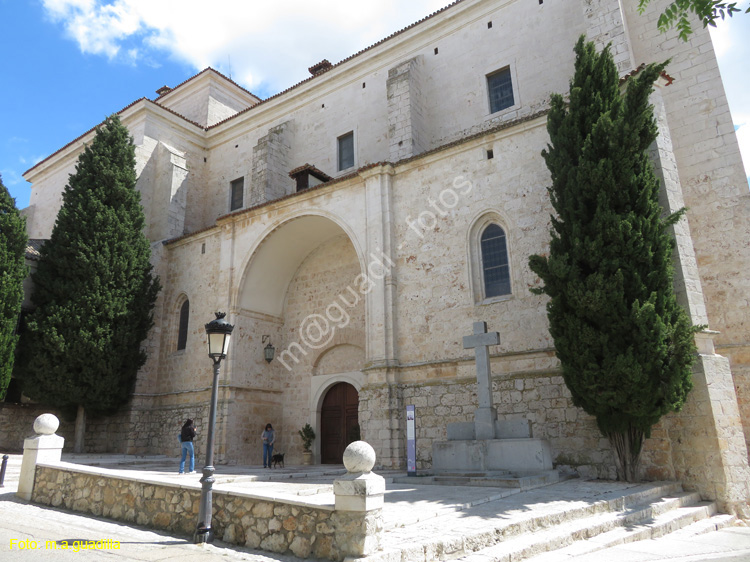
[625,345]
[13,271]
[94,288]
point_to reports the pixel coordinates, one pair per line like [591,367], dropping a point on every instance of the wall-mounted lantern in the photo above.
[269,351]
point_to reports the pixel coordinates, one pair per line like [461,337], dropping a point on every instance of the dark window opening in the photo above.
[495,268]
[500,88]
[238,194]
[489,25]
[346,151]
[436,50]
[490,154]
[183,330]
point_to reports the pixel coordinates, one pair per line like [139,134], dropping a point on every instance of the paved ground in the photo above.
[406,505]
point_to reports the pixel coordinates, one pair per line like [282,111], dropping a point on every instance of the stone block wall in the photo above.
[301,530]
[271,167]
[541,397]
[405,114]
[103,434]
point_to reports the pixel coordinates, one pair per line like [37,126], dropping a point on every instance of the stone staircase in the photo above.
[525,526]
[498,479]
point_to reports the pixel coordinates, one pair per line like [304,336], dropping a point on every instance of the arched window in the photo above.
[495,270]
[183,330]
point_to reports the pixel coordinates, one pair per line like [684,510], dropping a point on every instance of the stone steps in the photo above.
[594,533]
[661,526]
[521,482]
[508,530]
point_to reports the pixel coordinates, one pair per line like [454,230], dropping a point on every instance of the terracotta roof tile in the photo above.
[207,69]
[641,66]
[347,59]
[322,176]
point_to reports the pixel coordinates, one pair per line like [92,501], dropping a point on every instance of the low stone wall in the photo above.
[272,525]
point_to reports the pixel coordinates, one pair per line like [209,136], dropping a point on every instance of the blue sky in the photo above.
[67,64]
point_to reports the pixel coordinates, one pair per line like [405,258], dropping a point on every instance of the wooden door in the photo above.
[339,423]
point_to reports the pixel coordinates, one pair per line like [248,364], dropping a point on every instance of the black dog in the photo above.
[276,459]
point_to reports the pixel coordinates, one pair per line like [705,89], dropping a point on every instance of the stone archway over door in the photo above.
[339,422]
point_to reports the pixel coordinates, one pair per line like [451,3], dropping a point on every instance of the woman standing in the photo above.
[187,434]
[268,437]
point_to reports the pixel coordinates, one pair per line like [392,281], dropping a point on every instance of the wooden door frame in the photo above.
[321,384]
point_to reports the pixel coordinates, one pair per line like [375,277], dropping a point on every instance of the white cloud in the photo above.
[271,44]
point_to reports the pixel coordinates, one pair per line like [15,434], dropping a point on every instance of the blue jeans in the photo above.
[267,453]
[187,449]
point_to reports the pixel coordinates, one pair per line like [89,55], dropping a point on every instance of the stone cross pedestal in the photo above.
[485,416]
[489,445]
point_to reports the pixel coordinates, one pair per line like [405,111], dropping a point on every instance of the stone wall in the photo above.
[103,434]
[542,398]
[305,531]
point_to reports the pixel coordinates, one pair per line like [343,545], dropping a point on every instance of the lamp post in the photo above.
[219,332]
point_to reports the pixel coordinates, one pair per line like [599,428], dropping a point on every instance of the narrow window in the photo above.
[500,88]
[183,330]
[495,262]
[346,151]
[238,193]
[490,154]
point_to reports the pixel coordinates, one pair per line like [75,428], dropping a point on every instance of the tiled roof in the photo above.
[207,69]
[641,66]
[322,176]
[347,59]
[78,138]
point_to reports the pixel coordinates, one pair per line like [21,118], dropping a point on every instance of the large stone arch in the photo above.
[273,261]
[298,267]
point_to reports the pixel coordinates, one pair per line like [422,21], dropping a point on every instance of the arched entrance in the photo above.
[339,422]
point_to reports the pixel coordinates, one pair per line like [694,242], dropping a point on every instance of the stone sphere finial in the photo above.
[359,457]
[46,424]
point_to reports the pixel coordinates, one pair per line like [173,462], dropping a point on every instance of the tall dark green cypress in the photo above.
[94,289]
[625,345]
[13,270]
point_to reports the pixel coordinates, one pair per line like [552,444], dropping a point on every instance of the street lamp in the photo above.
[219,332]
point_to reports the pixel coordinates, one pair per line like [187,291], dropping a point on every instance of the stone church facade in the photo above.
[363,219]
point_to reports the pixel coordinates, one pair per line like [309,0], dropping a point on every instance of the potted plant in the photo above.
[307,434]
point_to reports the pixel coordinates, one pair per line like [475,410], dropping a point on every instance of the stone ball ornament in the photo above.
[359,456]
[46,424]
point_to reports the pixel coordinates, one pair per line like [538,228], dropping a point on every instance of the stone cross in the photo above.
[485,416]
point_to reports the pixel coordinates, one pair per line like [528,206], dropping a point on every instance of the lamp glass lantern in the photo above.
[219,332]
[268,352]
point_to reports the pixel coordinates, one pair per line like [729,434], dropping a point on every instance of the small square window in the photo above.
[500,88]
[238,194]
[346,151]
